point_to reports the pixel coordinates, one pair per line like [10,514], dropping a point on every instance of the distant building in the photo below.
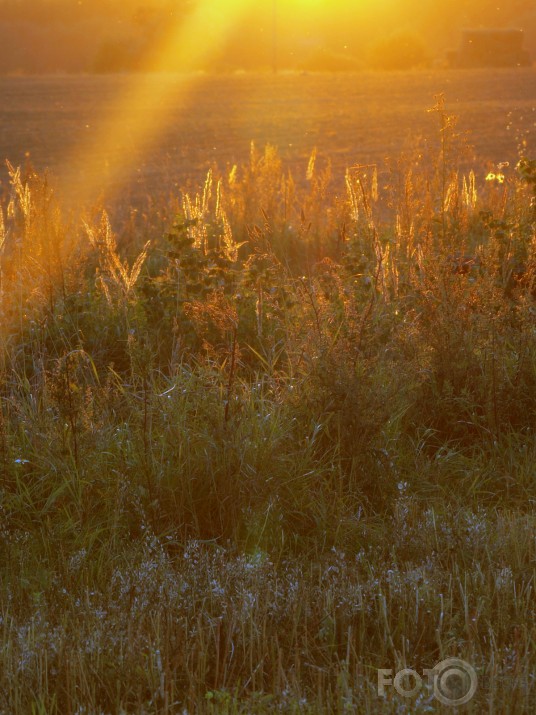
[490,48]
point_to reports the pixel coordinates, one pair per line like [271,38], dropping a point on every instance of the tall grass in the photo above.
[247,463]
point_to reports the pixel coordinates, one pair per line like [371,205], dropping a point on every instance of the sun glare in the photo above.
[189,44]
[198,41]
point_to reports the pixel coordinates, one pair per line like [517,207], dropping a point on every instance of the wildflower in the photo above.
[499,178]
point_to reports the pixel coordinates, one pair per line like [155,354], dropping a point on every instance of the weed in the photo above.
[246,464]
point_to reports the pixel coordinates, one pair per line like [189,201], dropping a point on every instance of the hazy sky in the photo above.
[74,35]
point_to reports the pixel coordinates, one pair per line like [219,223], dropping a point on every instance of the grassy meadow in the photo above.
[265,440]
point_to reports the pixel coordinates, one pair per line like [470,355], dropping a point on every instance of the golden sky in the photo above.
[122,35]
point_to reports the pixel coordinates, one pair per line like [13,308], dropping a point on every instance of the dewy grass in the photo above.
[289,444]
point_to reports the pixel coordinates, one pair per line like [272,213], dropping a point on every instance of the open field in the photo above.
[350,118]
[269,438]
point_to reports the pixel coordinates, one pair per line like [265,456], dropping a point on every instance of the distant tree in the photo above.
[402,50]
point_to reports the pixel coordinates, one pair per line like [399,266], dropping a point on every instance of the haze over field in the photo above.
[121,35]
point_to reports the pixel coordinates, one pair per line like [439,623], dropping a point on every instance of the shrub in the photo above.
[402,50]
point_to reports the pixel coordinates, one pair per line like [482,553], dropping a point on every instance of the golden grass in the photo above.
[249,463]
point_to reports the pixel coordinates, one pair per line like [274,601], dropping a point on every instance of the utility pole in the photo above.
[274,36]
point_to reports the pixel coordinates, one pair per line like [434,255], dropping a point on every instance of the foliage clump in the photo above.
[288,440]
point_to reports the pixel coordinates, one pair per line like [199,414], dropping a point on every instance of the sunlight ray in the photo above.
[141,111]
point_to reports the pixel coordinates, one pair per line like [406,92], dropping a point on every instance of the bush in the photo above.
[403,50]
